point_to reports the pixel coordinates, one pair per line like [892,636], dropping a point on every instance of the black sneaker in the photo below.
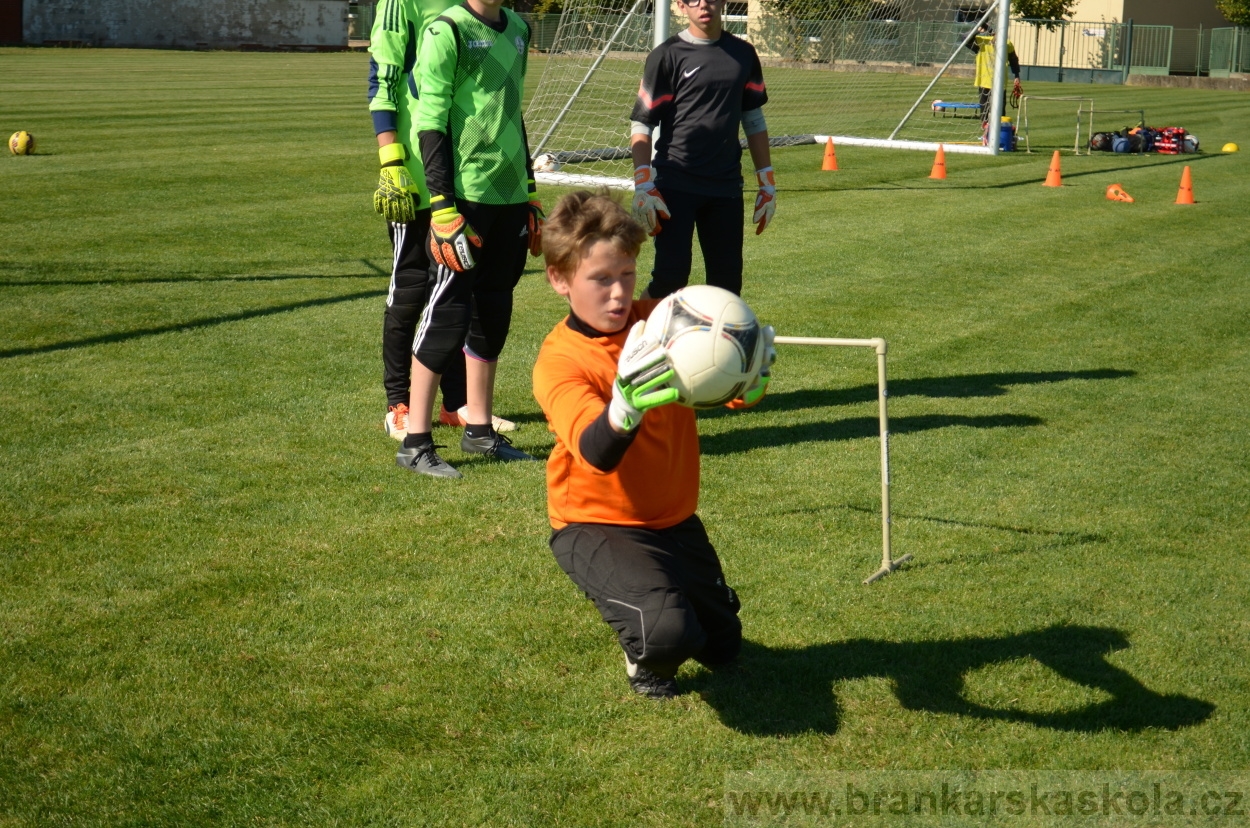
[646,683]
[425,460]
[493,445]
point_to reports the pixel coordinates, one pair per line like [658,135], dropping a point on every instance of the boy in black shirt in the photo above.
[697,87]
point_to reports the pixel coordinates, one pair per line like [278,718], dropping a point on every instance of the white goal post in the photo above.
[881,73]
[888,562]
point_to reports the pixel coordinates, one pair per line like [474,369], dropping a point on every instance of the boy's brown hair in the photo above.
[582,218]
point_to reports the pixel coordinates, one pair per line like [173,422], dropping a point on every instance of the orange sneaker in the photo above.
[396,422]
[457,419]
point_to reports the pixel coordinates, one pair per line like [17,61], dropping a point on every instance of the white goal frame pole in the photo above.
[888,563]
[589,72]
[661,14]
[994,128]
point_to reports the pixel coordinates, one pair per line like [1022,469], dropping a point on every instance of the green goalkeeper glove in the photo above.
[452,239]
[642,375]
[393,198]
[759,387]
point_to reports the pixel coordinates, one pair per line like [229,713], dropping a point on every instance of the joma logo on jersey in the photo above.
[478,44]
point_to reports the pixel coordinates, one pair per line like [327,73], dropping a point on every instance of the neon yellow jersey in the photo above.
[985,60]
[472,84]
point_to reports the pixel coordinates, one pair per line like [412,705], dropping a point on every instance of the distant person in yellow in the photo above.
[983,47]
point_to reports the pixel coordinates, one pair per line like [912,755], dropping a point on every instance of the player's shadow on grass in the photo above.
[776,691]
[852,428]
[189,280]
[190,324]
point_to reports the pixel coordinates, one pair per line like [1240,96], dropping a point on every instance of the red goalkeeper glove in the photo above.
[535,219]
[452,239]
[765,199]
[649,206]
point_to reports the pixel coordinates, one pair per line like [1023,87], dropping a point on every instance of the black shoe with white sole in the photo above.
[425,460]
[646,683]
[493,445]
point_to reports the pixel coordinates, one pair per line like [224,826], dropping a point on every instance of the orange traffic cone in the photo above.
[831,158]
[1115,192]
[1186,193]
[1053,176]
[939,164]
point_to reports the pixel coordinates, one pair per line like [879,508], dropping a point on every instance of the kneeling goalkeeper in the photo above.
[623,477]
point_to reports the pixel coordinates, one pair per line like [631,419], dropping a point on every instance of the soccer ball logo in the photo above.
[713,342]
[21,143]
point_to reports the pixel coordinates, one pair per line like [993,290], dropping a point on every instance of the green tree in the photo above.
[1048,13]
[1235,11]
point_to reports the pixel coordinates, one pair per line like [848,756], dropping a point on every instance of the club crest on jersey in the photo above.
[520,45]
[478,44]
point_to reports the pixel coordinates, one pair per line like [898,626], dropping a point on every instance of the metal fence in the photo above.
[1230,52]
[1078,48]
[1070,51]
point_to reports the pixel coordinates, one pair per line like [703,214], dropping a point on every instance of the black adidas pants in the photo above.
[473,310]
[663,591]
[405,302]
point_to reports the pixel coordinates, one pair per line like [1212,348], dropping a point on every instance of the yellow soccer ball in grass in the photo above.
[21,143]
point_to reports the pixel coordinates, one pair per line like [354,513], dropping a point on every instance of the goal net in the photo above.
[891,73]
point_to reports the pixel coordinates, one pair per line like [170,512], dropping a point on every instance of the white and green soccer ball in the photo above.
[713,341]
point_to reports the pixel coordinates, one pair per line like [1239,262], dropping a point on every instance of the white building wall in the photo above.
[220,24]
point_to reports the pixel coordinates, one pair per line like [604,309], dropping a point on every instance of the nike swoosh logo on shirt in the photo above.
[691,72]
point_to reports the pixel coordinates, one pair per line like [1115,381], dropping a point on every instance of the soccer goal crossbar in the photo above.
[888,562]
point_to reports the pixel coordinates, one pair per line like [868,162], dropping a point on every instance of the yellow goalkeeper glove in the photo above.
[393,198]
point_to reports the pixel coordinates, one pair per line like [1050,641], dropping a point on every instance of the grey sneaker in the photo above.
[425,460]
[646,683]
[493,445]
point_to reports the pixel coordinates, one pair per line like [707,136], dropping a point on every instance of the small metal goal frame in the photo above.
[888,562]
[1084,108]
[1080,110]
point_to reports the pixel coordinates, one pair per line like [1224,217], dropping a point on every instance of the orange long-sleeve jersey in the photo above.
[656,484]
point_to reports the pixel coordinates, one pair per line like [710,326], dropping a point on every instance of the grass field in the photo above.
[222,603]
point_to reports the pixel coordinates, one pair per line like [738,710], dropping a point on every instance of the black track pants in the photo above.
[719,222]
[406,300]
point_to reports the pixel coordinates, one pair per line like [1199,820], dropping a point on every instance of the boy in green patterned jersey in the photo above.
[403,200]
[484,215]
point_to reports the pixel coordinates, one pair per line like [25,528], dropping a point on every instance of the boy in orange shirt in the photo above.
[623,478]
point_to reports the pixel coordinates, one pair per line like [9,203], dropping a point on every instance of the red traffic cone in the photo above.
[1053,177]
[1186,193]
[830,163]
[939,164]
